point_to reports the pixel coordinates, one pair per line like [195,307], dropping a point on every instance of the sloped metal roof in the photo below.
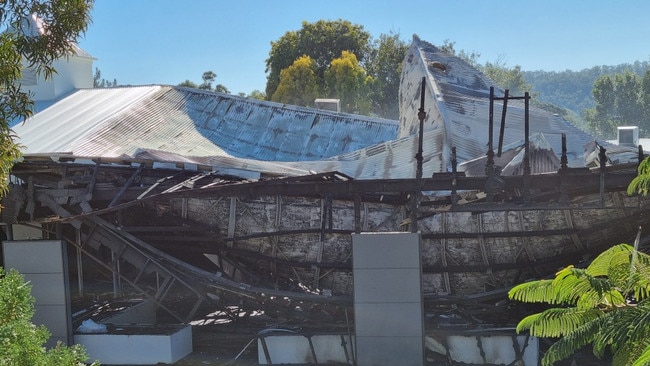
[231,134]
[115,122]
[184,127]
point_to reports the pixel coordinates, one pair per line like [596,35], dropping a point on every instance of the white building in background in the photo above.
[75,71]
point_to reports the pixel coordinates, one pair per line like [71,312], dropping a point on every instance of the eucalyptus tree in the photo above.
[208,77]
[100,82]
[621,100]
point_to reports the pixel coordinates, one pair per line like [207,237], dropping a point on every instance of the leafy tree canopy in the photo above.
[298,83]
[621,100]
[384,65]
[605,305]
[21,342]
[322,41]
[257,94]
[326,41]
[23,46]
[347,80]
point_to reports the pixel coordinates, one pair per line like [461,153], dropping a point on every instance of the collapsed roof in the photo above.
[192,128]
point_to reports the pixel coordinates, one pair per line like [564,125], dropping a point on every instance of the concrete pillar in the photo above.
[388,307]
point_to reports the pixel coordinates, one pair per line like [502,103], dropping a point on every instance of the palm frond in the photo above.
[534,291]
[571,342]
[629,353]
[600,266]
[641,183]
[557,322]
[644,358]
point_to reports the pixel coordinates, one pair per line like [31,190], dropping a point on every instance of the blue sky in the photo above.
[168,41]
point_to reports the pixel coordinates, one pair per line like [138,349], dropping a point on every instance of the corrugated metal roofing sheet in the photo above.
[229,133]
[118,121]
[457,105]
[542,159]
[232,134]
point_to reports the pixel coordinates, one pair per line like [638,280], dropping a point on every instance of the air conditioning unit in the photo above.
[628,135]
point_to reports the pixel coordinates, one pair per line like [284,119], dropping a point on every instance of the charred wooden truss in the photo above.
[284,244]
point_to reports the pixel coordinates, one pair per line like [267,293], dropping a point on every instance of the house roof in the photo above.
[34,26]
[247,137]
[113,122]
[173,122]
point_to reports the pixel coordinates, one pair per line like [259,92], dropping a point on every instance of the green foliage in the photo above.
[21,342]
[208,78]
[189,84]
[572,90]
[507,78]
[621,100]
[348,81]
[324,43]
[641,183]
[605,304]
[64,20]
[471,57]
[384,65]
[298,83]
[257,94]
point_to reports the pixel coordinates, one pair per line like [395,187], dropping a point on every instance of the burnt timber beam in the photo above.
[126,185]
[586,181]
[581,180]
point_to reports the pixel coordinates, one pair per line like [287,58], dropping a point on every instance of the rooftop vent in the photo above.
[628,135]
[333,105]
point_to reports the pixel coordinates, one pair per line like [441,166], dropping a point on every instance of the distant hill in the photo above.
[572,89]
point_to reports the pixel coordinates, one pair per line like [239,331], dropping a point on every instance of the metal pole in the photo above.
[421,116]
[419,158]
[603,162]
[526,148]
[503,122]
[490,153]
[527,134]
[80,272]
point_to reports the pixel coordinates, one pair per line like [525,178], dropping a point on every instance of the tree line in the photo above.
[340,60]
[600,97]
